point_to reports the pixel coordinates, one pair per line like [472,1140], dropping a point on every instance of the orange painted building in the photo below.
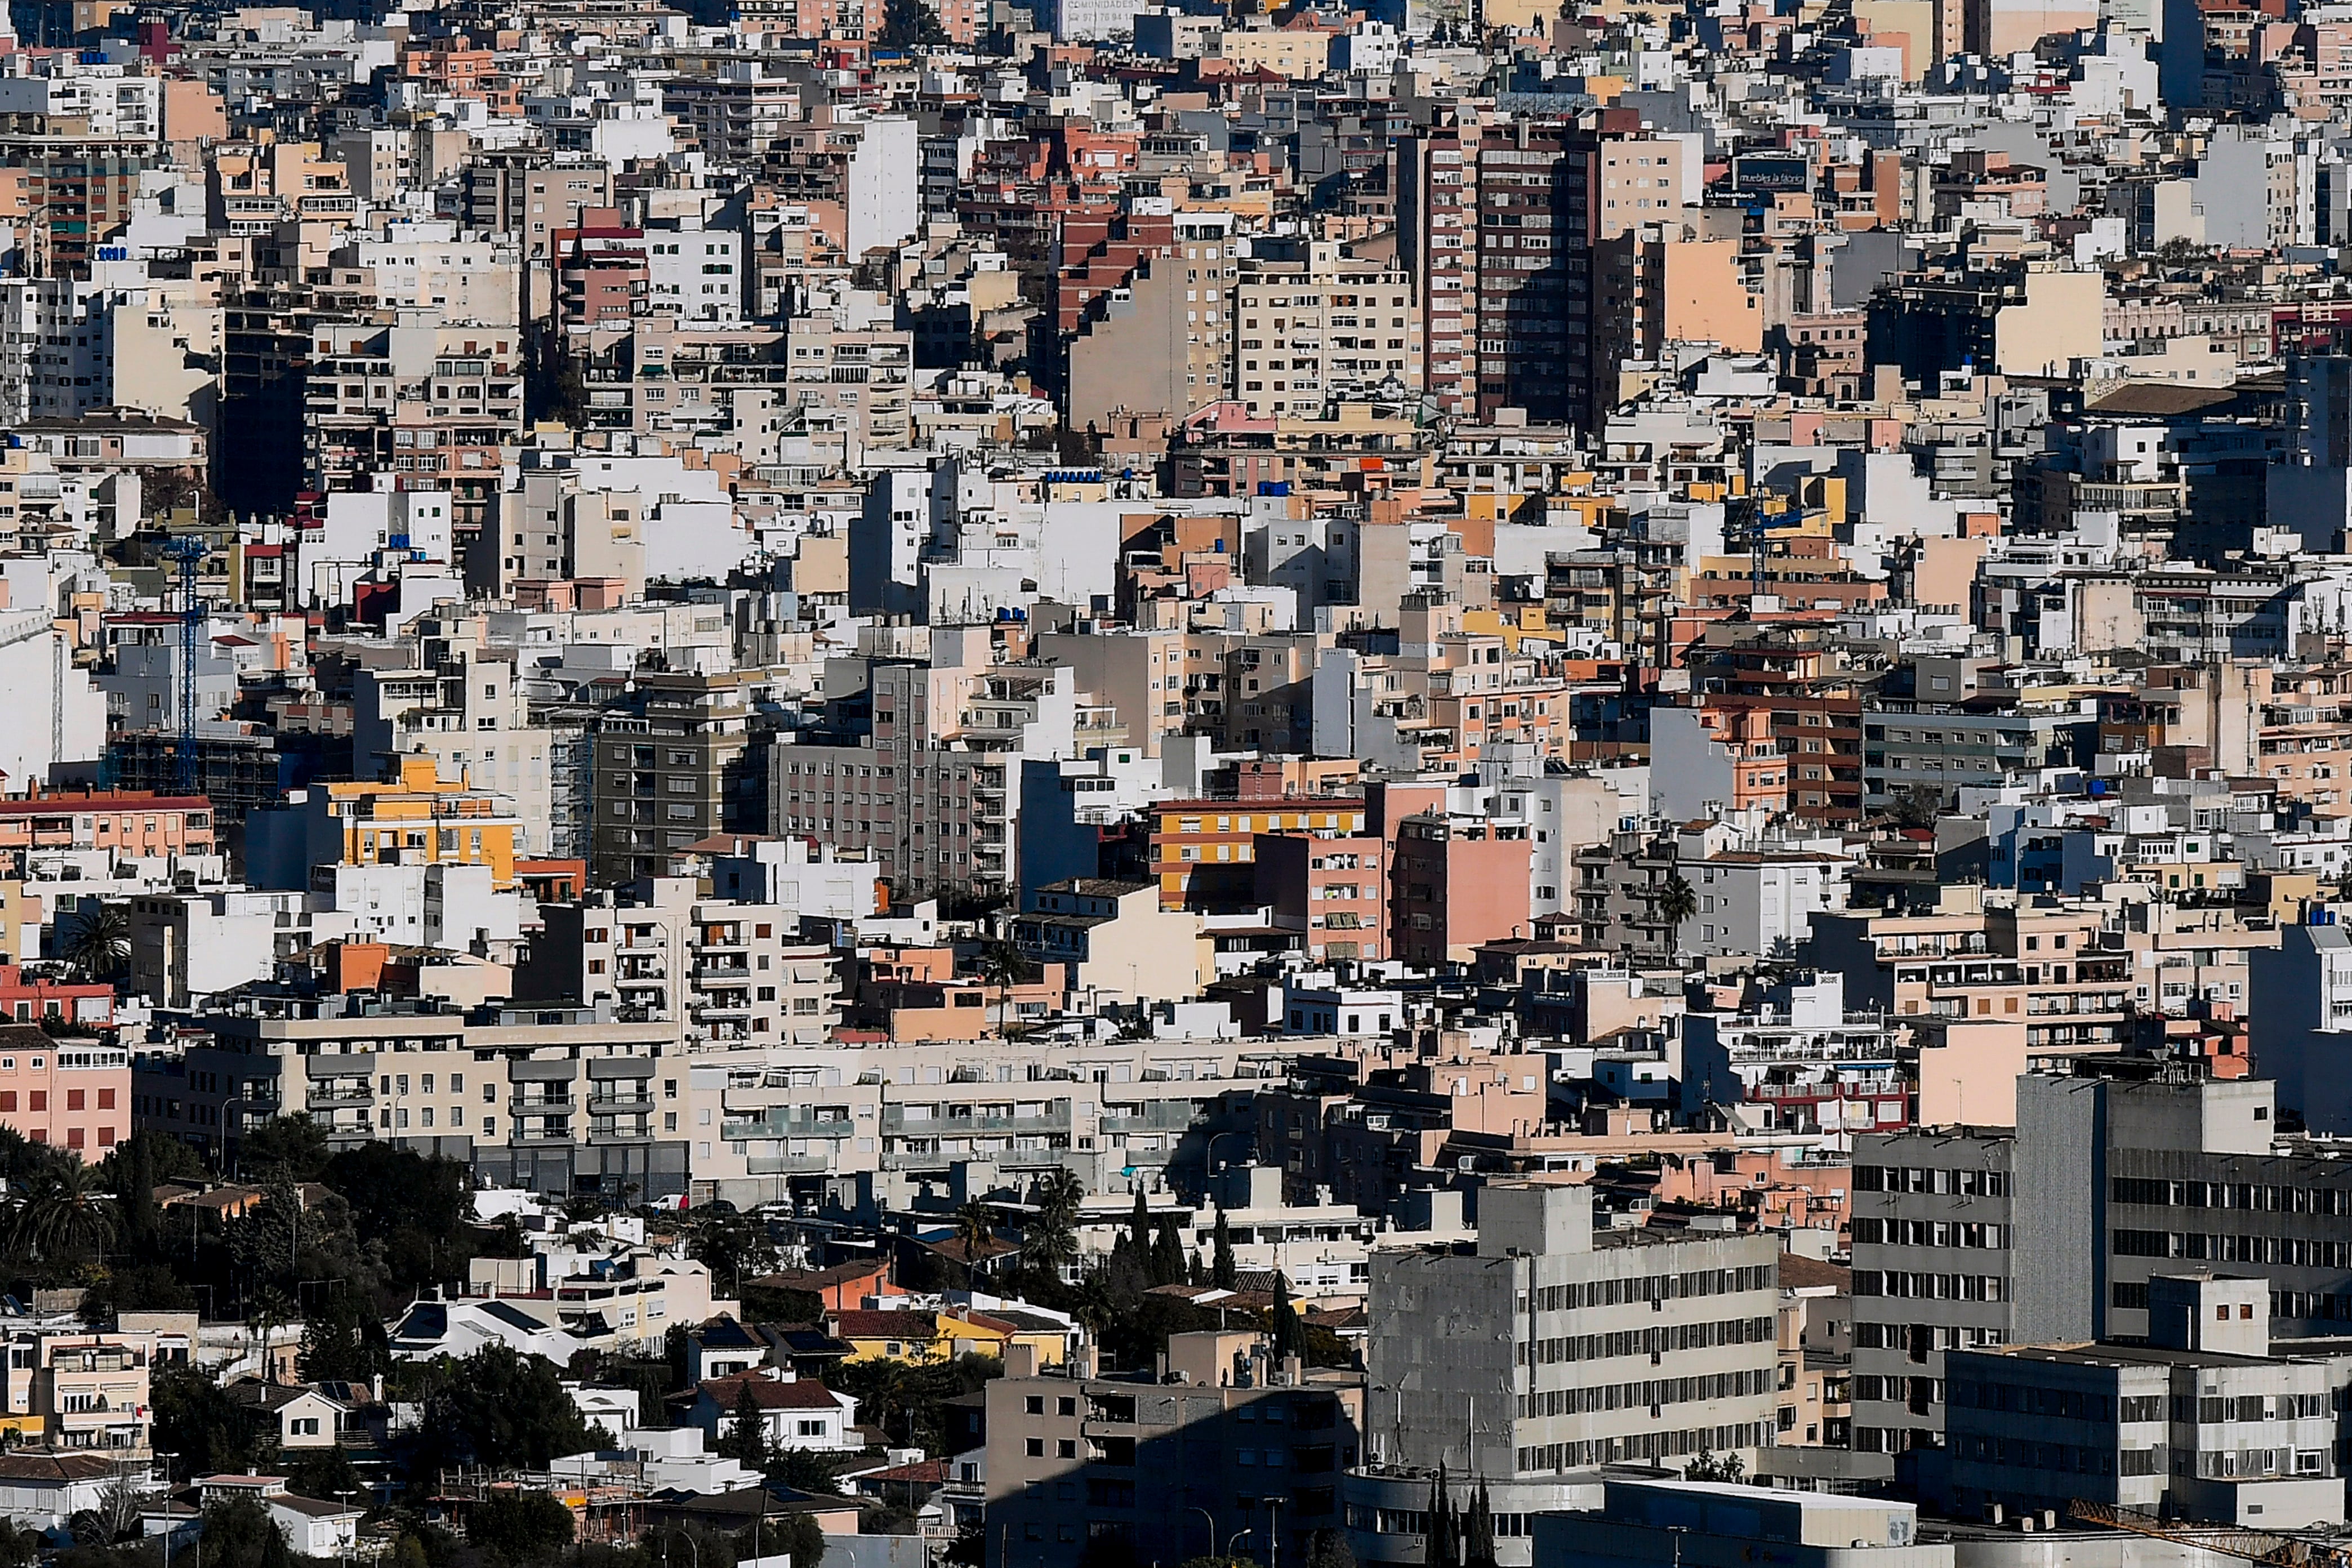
[75,1094]
[128,822]
[28,1001]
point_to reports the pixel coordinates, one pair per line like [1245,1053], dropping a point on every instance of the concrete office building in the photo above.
[1228,1438]
[1551,1348]
[2129,1177]
[2201,1422]
[1931,1218]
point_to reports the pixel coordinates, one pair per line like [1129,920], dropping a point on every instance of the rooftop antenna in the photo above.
[186,551]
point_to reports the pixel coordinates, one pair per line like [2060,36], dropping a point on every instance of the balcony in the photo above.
[787,1125]
[789,1164]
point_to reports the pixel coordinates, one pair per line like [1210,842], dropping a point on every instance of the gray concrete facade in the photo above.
[1550,1348]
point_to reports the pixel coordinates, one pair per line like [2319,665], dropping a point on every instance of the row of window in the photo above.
[1647,1341]
[2261,1196]
[1650,1287]
[2283,1250]
[1918,1179]
[1929,1232]
[1650,1392]
[1930,1287]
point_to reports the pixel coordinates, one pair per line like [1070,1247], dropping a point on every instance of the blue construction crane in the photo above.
[187,551]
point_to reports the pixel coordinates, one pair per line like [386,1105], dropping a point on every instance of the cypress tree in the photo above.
[1138,1226]
[1167,1255]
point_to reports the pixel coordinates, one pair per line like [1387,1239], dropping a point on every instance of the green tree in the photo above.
[422,1205]
[1329,1549]
[745,1436]
[1001,966]
[794,1531]
[780,1304]
[343,1341]
[504,1409]
[96,940]
[1051,1238]
[68,1216]
[322,1472]
[968,1549]
[519,1526]
[1677,901]
[132,1172]
[1442,1547]
[293,1144]
[198,1424]
[1167,1254]
[1706,1467]
[732,1245]
[1222,1272]
[1289,1333]
[975,1229]
[1138,1226]
[138,1287]
[1918,806]
[240,1534]
[804,1470]
[1478,1531]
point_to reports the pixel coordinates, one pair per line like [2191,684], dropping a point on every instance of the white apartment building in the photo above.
[733,975]
[1002,1113]
[539,1096]
[468,713]
[1311,326]
[342,541]
[695,273]
[117,103]
[471,277]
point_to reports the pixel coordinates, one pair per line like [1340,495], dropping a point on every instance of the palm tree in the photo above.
[975,1225]
[266,1311]
[97,943]
[1676,902]
[1052,1239]
[1004,966]
[68,1213]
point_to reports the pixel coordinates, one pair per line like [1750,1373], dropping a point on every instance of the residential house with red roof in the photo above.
[799,1413]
